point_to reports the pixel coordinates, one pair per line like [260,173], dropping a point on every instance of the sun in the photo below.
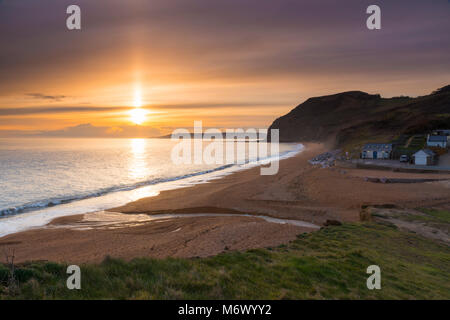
[138,115]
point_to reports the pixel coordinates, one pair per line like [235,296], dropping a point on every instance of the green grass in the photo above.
[328,264]
[435,215]
[403,147]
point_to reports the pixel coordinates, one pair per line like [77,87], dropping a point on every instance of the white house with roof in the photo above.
[424,157]
[377,151]
[441,132]
[438,141]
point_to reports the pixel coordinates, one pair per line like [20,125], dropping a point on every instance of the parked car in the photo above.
[404,158]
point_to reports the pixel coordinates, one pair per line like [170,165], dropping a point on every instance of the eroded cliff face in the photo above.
[347,116]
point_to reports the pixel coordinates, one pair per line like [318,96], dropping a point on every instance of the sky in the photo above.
[228,63]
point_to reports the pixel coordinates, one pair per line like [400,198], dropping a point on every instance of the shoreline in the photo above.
[299,192]
[41,217]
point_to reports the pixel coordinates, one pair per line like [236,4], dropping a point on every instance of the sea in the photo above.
[43,179]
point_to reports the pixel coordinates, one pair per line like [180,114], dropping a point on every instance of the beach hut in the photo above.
[424,157]
[376,151]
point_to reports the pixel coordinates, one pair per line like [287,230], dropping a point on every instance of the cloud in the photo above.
[55,110]
[87,130]
[41,96]
[5,112]
[18,133]
[253,104]
[224,39]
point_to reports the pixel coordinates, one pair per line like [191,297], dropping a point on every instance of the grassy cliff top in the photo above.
[328,264]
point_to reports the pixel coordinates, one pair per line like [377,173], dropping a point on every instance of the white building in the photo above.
[424,157]
[441,132]
[437,141]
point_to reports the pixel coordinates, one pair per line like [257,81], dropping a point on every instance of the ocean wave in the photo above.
[45,203]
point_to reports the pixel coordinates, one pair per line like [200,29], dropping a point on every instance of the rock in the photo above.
[332,223]
[326,160]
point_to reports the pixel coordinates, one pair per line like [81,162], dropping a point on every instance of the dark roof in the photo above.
[377,147]
[437,139]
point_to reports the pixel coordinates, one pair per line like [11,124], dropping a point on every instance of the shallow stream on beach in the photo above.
[114,220]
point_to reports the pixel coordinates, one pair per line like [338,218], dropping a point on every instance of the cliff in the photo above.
[354,116]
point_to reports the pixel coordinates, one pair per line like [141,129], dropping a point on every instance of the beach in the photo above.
[299,192]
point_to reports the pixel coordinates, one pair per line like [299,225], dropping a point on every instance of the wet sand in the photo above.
[299,192]
[180,237]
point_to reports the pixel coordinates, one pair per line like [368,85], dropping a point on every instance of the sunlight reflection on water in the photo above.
[138,168]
